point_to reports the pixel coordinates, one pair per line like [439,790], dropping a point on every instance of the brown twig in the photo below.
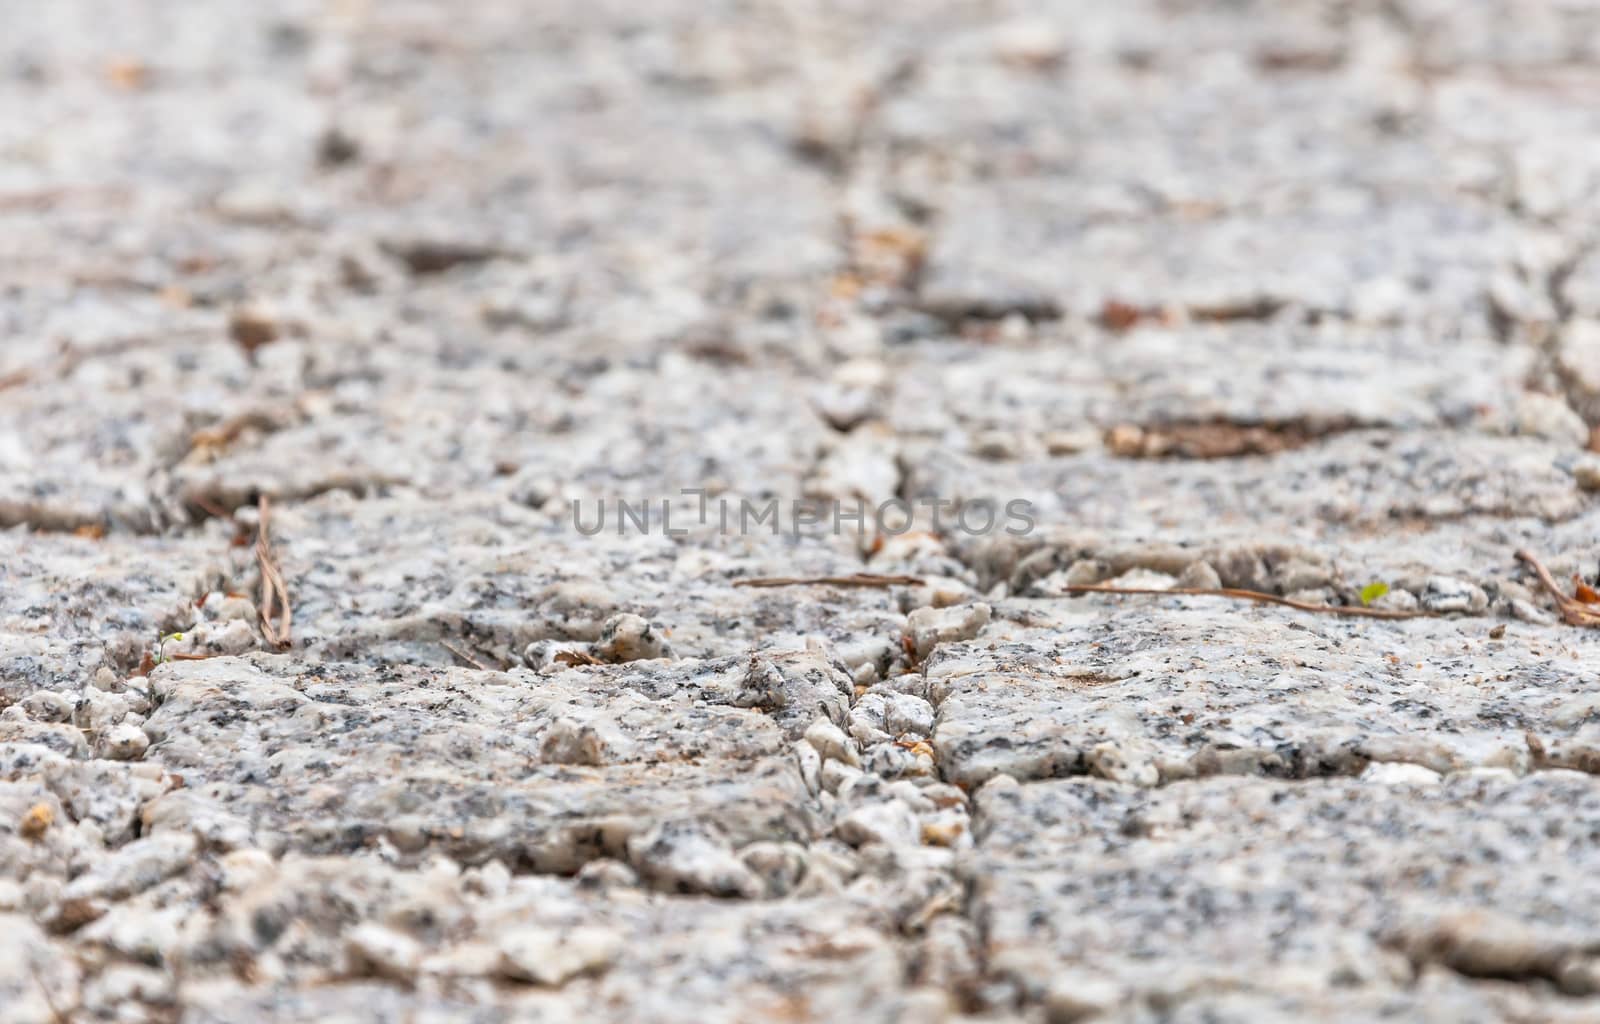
[860,579]
[1573,611]
[274,592]
[464,656]
[176,656]
[209,506]
[1250,595]
[224,433]
[573,659]
[872,580]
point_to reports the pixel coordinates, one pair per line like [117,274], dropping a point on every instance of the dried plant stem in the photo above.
[1354,611]
[1573,611]
[860,579]
[274,592]
[464,656]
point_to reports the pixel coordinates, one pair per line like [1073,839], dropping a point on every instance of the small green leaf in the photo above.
[1374,590]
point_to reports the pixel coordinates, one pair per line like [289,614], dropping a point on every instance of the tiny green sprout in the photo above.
[1372,591]
[161,647]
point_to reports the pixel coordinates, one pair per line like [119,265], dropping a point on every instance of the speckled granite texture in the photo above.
[1285,295]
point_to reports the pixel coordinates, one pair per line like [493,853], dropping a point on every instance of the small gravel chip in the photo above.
[124,743]
[544,956]
[830,741]
[47,706]
[376,950]
[37,821]
[1587,473]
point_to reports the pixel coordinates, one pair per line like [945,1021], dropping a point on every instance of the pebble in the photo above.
[869,651]
[929,627]
[541,655]
[546,956]
[1397,599]
[830,741]
[1071,442]
[492,879]
[1298,575]
[1033,45]
[221,607]
[1445,594]
[837,775]
[889,822]
[949,827]
[1549,418]
[763,686]
[226,637]
[597,741]
[866,721]
[907,714]
[1001,445]
[1086,572]
[628,637]
[376,950]
[1199,576]
[1121,763]
[1398,773]
[853,395]
[943,794]
[810,766]
[780,866]
[604,874]
[97,711]
[125,742]
[253,327]
[688,856]
[47,706]
[1242,567]
[1587,473]
[1527,611]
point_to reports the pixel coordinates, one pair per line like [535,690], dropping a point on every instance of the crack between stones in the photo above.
[1549,362]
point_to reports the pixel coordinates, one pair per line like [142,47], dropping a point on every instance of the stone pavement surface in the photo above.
[1284,296]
